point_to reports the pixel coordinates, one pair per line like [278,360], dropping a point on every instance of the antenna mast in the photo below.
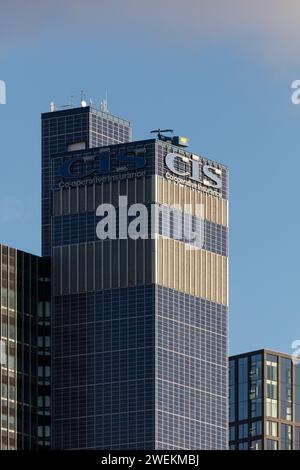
[104,104]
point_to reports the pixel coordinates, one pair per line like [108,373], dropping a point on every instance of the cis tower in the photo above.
[139,327]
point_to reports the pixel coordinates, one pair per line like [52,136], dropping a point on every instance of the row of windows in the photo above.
[105,431]
[283,442]
[249,388]
[80,228]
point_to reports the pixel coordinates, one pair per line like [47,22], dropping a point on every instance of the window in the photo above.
[12,391]
[297,393]
[11,357]
[47,309]
[255,428]
[3,353]
[285,437]
[231,433]
[272,368]
[256,407]
[271,444]
[243,388]
[44,371]
[255,377]
[271,428]
[256,444]
[243,431]
[271,408]
[286,388]
[297,438]
[47,401]
[11,422]
[272,388]
[4,420]
[76,146]
[243,446]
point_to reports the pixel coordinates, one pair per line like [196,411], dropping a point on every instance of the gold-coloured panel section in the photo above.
[196,272]
[170,193]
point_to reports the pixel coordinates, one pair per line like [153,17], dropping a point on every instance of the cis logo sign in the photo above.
[198,172]
[134,162]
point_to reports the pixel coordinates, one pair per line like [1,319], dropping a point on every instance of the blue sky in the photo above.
[220,75]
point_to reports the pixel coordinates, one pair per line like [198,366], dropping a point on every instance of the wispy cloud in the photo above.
[267,26]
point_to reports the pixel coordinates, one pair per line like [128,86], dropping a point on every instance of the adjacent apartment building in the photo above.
[264,411]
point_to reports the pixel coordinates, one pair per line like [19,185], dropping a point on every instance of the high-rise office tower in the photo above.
[264,410]
[139,326]
[25,305]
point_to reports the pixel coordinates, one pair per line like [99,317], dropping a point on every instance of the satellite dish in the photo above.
[83,104]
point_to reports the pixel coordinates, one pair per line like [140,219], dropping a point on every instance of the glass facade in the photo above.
[263,412]
[191,406]
[139,327]
[103,369]
[23,291]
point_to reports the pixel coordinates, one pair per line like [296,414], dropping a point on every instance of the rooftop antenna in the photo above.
[159,133]
[83,100]
[52,106]
[104,104]
[69,105]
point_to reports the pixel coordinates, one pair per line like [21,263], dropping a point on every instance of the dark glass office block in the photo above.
[24,290]
[139,326]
